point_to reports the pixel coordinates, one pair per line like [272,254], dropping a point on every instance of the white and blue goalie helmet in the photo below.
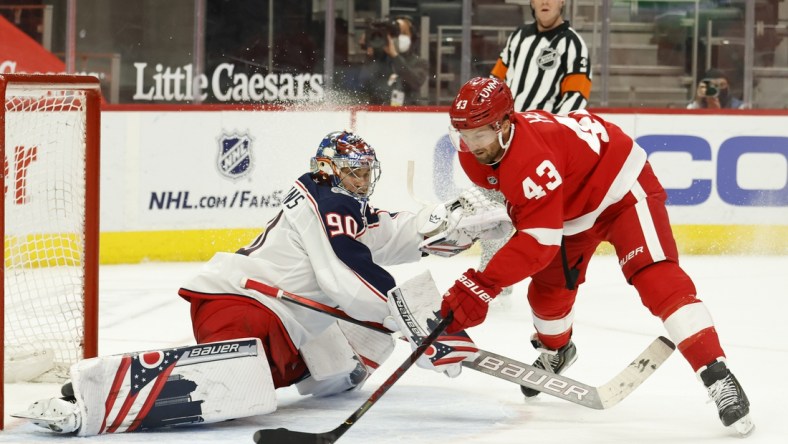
[346,161]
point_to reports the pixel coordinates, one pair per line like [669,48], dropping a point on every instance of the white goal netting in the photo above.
[44,231]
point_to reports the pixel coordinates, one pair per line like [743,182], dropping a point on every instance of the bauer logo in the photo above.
[533,377]
[235,156]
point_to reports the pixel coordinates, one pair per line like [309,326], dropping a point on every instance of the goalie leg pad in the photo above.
[329,355]
[342,358]
[207,383]
[338,384]
[372,347]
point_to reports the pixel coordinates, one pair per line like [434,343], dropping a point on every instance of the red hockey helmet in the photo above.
[481,101]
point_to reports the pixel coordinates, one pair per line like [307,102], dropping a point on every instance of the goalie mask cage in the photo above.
[49,138]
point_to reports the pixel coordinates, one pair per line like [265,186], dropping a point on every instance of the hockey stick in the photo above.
[599,398]
[278,293]
[411,193]
[526,375]
[282,435]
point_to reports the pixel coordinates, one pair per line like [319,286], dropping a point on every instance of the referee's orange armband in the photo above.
[499,70]
[577,82]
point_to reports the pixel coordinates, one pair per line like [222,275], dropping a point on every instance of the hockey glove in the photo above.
[438,226]
[448,352]
[483,218]
[452,227]
[469,299]
[413,306]
[447,243]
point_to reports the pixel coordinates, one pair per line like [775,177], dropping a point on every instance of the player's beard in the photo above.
[489,157]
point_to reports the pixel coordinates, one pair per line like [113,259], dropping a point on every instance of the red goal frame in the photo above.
[92,90]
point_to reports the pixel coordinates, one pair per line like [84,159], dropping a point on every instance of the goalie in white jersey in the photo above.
[327,244]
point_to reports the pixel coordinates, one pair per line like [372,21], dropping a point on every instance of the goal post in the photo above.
[49,140]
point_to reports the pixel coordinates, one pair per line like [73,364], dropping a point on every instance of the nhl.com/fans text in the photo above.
[186,200]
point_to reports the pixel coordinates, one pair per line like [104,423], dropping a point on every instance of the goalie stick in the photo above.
[282,435]
[526,375]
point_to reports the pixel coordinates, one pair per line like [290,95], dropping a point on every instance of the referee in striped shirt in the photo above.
[545,63]
[546,66]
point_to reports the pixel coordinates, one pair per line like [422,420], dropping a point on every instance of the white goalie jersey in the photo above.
[324,245]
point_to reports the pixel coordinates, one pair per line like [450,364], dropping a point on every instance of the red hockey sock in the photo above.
[701,348]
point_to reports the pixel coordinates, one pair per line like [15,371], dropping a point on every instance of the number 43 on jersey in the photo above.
[588,130]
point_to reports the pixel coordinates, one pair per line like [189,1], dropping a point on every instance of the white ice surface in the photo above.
[747,296]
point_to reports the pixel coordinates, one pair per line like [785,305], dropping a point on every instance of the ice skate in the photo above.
[556,361]
[726,392]
[56,414]
[358,376]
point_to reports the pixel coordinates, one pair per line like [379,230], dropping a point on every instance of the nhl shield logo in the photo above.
[235,155]
[547,58]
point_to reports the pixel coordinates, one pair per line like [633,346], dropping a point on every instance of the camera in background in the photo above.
[711,88]
[378,31]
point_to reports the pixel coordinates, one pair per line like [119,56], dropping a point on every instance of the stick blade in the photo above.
[535,378]
[285,436]
[636,372]
[599,398]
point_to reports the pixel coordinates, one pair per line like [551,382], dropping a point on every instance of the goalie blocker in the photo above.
[203,383]
[413,306]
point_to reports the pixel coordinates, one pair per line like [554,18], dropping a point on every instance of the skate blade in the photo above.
[744,426]
[58,424]
[26,415]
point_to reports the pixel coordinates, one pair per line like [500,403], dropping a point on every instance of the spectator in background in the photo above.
[546,66]
[393,73]
[713,92]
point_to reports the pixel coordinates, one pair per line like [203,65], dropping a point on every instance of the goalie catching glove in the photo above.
[452,227]
[413,307]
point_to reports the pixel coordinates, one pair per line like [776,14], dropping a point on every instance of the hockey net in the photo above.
[49,132]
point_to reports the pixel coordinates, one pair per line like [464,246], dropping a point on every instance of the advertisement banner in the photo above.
[170,173]
[202,169]
[716,169]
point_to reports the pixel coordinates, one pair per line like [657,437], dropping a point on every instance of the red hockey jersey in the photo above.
[558,175]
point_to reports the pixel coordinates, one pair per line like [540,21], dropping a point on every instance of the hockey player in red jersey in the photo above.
[570,183]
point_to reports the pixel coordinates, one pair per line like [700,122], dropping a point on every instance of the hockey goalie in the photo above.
[327,244]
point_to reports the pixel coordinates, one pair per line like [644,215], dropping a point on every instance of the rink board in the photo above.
[180,185]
